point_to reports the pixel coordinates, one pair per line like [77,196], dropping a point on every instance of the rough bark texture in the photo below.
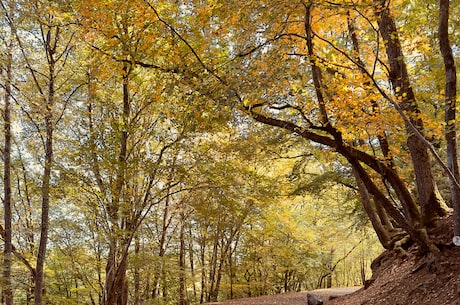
[429,198]
[450,109]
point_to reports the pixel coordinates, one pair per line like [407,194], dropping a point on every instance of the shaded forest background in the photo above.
[181,152]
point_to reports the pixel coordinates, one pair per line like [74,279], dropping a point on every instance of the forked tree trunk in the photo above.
[378,216]
[429,198]
[51,39]
[116,286]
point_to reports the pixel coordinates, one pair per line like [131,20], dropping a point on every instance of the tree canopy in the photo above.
[161,152]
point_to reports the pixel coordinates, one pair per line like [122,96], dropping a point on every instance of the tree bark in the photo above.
[382,233]
[116,290]
[8,215]
[182,272]
[192,262]
[204,287]
[51,40]
[136,276]
[116,284]
[166,219]
[428,195]
[381,215]
[450,109]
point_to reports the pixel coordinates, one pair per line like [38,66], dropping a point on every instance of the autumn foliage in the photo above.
[162,152]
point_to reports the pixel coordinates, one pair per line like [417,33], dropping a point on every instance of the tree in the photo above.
[450,110]
[118,145]
[47,83]
[39,114]
[8,40]
[323,92]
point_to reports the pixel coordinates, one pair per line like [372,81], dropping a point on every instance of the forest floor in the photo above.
[397,280]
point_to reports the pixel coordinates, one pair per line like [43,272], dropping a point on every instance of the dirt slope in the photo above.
[398,280]
[412,280]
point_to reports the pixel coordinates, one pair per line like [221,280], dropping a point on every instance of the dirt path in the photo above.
[291,298]
[325,294]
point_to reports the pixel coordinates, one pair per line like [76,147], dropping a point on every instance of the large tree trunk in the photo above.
[116,286]
[410,207]
[429,198]
[450,109]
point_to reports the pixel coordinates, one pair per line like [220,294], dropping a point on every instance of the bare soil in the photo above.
[410,279]
[289,298]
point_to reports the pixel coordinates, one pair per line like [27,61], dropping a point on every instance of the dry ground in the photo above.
[397,280]
[294,298]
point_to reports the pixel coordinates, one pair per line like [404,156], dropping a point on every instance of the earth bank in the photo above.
[398,279]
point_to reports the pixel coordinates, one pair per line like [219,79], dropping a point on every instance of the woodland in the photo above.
[183,152]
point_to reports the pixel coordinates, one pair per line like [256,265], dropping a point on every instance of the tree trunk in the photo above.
[192,263]
[50,45]
[116,286]
[182,273]
[428,195]
[204,287]
[161,250]
[136,275]
[450,109]
[382,233]
[7,216]
[212,295]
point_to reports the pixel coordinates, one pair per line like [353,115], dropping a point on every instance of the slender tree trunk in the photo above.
[161,250]
[231,274]
[429,198]
[192,263]
[213,267]
[450,109]
[204,286]
[137,276]
[182,273]
[382,234]
[50,45]
[316,71]
[218,276]
[7,214]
